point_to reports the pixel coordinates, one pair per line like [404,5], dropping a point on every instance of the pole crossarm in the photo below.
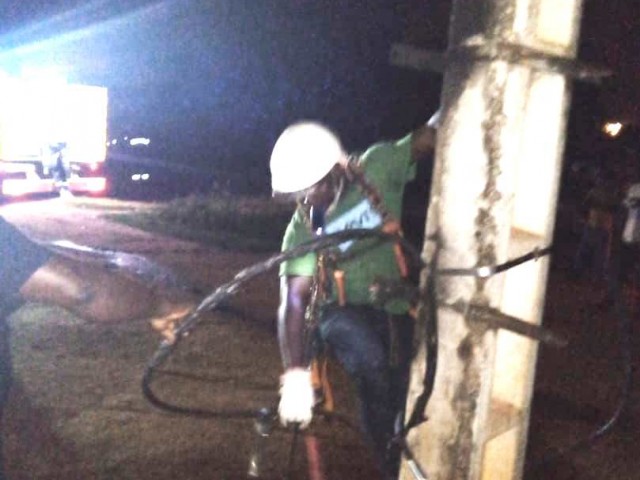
[382,291]
[492,317]
[495,319]
[478,49]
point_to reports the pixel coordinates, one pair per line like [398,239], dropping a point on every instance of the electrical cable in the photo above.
[431,343]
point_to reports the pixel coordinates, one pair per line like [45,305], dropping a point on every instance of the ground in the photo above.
[77,411]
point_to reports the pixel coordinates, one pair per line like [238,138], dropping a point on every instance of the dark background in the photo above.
[212,83]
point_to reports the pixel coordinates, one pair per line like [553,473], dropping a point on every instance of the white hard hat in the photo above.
[303,154]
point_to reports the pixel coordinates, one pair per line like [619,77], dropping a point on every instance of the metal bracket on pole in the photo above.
[477,49]
[382,291]
[495,319]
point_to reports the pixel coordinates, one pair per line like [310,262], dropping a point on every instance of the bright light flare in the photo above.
[96,184]
[34,114]
[88,184]
[612,129]
[45,75]
[30,44]
[19,186]
[139,141]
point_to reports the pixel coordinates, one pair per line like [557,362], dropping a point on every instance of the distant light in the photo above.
[137,177]
[612,129]
[114,141]
[139,141]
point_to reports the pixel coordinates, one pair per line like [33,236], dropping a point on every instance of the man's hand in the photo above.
[423,140]
[296,397]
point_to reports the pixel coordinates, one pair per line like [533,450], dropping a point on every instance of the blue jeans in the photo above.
[361,339]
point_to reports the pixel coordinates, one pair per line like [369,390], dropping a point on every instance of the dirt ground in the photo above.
[77,411]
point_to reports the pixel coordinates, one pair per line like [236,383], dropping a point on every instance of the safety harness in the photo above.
[329,274]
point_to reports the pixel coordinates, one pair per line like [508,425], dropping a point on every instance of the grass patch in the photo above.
[105,204]
[231,222]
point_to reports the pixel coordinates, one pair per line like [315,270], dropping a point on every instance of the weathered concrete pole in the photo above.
[498,161]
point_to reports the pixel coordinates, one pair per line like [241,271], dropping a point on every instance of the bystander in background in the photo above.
[593,255]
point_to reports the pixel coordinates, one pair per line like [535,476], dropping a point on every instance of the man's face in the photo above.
[321,194]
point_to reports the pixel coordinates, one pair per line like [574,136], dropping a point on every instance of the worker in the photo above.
[31,272]
[61,168]
[373,343]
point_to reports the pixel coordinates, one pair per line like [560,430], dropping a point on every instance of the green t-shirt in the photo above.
[389,167]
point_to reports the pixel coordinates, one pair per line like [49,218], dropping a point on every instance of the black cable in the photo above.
[191,411]
[431,340]
[490,270]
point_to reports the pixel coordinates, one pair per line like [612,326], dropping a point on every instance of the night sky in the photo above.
[213,82]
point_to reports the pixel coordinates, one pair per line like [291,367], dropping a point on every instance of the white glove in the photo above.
[296,397]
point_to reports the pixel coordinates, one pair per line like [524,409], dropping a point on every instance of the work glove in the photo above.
[296,397]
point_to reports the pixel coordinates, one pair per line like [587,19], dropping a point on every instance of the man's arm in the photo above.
[295,294]
[56,282]
[296,390]
[95,293]
[423,142]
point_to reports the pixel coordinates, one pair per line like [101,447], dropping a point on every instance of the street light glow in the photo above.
[139,141]
[612,129]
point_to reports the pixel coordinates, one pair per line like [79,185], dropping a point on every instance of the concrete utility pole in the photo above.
[498,162]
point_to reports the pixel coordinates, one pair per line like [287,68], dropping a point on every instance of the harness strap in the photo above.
[321,384]
[326,269]
[338,277]
[390,224]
